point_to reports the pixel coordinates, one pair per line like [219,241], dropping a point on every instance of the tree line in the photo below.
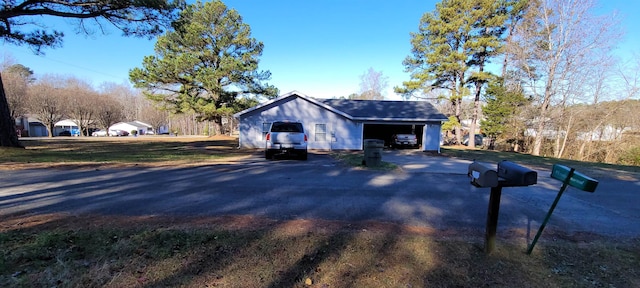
[53,98]
[553,68]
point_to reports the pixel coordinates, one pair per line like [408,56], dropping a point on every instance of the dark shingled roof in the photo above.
[366,110]
[386,110]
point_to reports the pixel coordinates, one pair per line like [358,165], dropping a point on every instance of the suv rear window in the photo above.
[286,127]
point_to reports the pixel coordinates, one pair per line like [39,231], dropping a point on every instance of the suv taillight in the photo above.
[305,137]
[268,136]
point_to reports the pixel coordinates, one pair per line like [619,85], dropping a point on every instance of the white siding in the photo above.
[341,133]
[123,126]
[431,137]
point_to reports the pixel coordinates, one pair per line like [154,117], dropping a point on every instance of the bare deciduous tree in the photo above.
[46,102]
[372,85]
[630,78]
[154,116]
[130,99]
[555,39]
[81,100]
[109,111]
[596,88]
[15,87]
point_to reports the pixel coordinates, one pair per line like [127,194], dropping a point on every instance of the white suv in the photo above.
[286,137]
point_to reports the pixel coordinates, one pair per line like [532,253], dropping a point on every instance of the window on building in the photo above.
[321,132]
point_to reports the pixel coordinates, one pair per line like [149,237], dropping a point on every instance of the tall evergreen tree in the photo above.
[458,36]
[25,72]
[204,64]
[438,59]
[501,112]
[487,40]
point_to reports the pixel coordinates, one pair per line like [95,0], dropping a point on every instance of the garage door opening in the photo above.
[386,131]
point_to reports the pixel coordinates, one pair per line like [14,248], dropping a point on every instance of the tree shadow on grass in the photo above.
[243,251]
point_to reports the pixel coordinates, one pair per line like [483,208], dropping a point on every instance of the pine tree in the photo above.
[501,112]
[204,64]
[453,40]
[486,42]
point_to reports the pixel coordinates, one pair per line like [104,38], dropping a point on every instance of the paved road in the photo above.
[429,191]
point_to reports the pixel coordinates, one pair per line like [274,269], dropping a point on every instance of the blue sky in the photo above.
[319,48]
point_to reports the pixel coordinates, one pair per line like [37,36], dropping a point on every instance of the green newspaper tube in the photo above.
[576,179]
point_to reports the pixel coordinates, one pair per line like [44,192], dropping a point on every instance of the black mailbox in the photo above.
[482,176]
[509,174]
[513,174]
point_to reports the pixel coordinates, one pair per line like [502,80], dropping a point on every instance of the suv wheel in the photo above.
[268,155]
[303,155]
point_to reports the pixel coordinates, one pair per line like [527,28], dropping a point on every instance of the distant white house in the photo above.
[141,127]
[466,125]
[604,133]
[66,125]
[546,133]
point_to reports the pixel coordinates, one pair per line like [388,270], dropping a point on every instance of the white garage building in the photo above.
[339,124]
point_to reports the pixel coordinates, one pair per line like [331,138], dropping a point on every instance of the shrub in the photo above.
[630,157]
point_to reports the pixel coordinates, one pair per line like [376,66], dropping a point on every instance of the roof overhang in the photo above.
[399,119]
[289,95]
[66,122]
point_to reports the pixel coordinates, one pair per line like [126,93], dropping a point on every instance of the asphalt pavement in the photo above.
[428,191]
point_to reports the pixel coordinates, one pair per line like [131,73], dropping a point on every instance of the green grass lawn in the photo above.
[148,150]
[123,150]
[590,168]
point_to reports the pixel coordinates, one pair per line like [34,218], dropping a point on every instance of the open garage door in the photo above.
[386,131]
